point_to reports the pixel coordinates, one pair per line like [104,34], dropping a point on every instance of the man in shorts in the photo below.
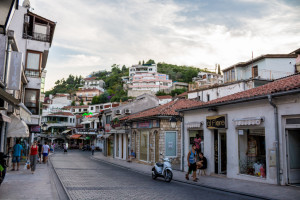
[40,147]
[191,158]
[17,155]
[45,150]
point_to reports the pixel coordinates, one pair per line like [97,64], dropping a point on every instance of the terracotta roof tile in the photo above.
[165,97]
[61,113]
[163,110]
[284,84]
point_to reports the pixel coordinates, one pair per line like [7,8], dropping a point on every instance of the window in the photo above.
[107,119]
[92,108]
[208,97]
[33,64]
[31,100]
[254,72]
[232,75]
[170,144]
[150,69]
[252,152]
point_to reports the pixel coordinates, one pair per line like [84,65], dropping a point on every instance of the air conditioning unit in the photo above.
[127,111]
[27,19]
[118,112]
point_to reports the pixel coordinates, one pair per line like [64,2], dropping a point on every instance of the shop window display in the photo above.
[252,152]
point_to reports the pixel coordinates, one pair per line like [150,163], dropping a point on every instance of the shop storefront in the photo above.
[195,130]
[218,125]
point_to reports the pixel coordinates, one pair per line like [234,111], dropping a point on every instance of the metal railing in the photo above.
[37,36]
[32,73]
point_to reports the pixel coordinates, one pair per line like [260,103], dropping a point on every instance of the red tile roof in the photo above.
[61,113]
[88,90]
[91,78]
[183,94]
[163,110]
[285,84]
[165,97]
[69,107]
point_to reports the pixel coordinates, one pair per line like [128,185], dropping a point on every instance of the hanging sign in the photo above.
[217,121]
[87,115]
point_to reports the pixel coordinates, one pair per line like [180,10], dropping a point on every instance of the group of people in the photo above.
[196,159]
[35,154]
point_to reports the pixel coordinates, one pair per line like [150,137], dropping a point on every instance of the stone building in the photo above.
[158,131]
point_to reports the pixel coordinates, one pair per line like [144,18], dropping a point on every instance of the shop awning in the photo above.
[17,128]
[86,122]
[194,125]
[5,118]
[66,131]
[75,136]
[252,121]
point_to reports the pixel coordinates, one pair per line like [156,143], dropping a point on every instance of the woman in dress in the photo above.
[33,156]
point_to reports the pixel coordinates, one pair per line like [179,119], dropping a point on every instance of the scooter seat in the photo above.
[159,164]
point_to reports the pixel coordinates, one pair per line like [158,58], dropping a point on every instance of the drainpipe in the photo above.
[276,137]
[182,136]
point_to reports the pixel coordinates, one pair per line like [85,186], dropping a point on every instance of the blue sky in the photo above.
[95,34]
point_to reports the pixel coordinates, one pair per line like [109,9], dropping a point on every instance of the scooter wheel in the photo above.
[168,176]
[154,175]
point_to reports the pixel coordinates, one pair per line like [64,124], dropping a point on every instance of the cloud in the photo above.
[92,35]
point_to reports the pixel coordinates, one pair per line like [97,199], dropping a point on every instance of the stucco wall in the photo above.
[287,106]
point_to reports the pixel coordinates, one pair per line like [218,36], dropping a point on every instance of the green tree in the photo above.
[73,103]
[161,93]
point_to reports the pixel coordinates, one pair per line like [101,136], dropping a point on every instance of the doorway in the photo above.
[293,157]
[144,146]
[156,146]
[220,149]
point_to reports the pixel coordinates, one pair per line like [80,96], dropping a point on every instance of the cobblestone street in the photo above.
[85,178]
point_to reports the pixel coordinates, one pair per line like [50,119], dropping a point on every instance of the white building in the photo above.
[247,75]
[33,36]
[55,103]
[92,83]
[145,79]
[205,79]
[240,136]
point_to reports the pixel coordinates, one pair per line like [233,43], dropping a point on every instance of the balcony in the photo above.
[32,73]
[37,36]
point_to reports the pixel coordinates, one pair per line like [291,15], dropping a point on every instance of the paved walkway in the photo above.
[24,185]
[255,189]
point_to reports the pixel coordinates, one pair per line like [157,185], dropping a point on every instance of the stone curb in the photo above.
[59,177]
[185,182]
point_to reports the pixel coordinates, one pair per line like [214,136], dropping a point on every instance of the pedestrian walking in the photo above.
[65,148]
[191,158]
[40,147]
[93,149]
[33,153]
[197,142]
[45,150]
[18,149]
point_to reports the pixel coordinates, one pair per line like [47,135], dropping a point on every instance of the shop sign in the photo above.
[35,129]
[87,115]
[107,127]
[147,124]
[217,121]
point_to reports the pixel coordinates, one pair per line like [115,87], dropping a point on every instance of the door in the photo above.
[223,153]
[144,142]
[122,142]
[156,147]
[294,156]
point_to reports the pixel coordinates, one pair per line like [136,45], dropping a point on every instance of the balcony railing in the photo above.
[32,73]
[37,36]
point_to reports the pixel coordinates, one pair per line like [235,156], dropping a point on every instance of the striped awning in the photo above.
[75,136]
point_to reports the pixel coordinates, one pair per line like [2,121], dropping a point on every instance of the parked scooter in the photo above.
[3,166]
[163,170]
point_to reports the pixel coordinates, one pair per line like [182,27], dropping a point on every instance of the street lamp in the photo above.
[44,127]
[173,122]
[7,7]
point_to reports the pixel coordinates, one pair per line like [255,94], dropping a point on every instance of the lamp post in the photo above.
[173,122]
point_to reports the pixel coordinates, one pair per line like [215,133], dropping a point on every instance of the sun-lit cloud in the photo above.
[93,35]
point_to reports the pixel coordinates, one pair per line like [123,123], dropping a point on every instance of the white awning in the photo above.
[86,122]
[253,121]
[66,131]
[17,128]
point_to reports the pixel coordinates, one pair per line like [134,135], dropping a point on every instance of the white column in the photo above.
[120,146]
[115,146]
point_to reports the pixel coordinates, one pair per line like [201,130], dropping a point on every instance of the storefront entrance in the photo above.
[220,149]
[144,148]
[293,149]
